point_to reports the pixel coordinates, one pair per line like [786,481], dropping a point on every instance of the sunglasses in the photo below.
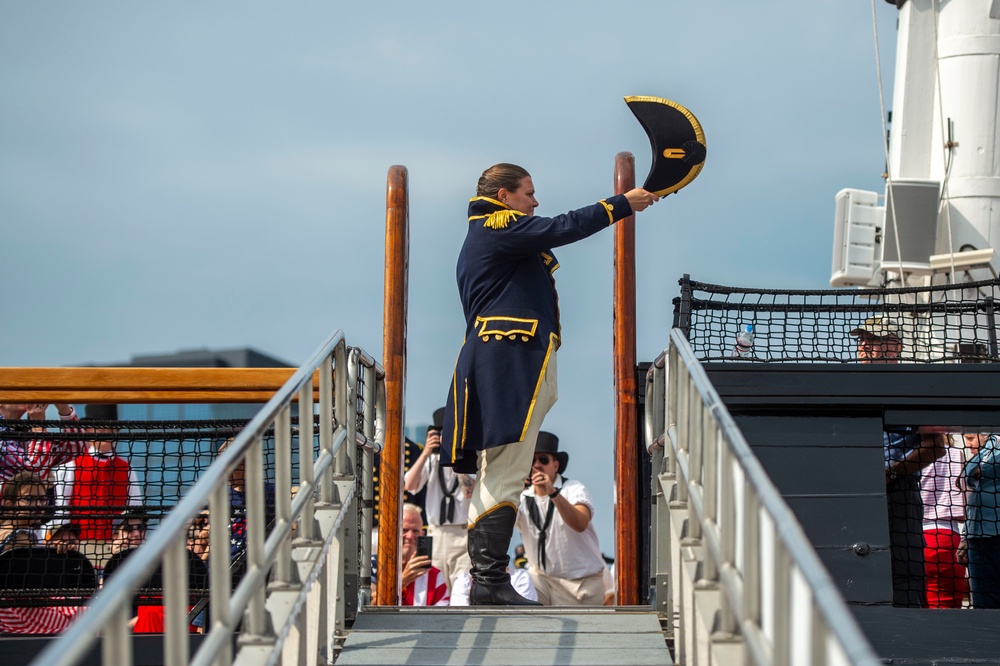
[543,459]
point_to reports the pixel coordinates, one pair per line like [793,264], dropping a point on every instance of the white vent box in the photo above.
[856,234]
[913,206]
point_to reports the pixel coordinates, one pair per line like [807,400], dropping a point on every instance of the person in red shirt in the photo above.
[97,485]
[423,584]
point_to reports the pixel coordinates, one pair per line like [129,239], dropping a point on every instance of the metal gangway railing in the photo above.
[733,570]
[297,593]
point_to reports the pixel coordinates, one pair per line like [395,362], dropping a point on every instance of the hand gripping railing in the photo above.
[729,557]
[296,593]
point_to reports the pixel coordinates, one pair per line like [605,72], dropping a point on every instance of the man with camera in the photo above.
[555,521]
[423,584]
[446,504]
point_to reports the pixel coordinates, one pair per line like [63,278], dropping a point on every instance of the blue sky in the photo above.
[212,175]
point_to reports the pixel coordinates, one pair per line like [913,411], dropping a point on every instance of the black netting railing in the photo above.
[941,324]
[943,520]
[78,498]
[942,491]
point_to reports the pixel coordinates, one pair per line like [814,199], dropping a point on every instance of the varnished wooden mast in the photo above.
[397,259]
[626,440]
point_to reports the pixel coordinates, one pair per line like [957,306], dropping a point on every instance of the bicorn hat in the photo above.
[549,443]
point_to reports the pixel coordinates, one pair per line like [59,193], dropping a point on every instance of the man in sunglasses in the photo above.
[555,520]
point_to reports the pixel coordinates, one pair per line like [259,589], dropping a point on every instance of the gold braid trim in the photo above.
[491,510]
[501,219]
[553,345]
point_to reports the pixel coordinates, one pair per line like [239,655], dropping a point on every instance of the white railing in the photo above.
[292,602]
[733,570]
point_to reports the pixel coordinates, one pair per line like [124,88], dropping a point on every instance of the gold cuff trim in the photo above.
[607,209]
[506,327]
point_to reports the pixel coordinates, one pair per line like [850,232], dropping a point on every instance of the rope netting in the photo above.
[79,498]
[940,324]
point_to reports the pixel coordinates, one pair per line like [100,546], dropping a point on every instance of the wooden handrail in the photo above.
[626,435]
[143,385]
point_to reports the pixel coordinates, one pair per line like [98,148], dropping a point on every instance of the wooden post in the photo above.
[626,441]
[397,259]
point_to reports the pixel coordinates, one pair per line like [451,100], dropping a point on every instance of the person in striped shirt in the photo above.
[38,455]
[22,509]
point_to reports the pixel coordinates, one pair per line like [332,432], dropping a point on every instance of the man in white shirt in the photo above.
[446,506]
[555,521]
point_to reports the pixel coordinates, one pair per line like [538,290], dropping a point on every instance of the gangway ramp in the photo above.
[503,635]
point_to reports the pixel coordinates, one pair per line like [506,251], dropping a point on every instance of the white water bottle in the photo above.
[744,342]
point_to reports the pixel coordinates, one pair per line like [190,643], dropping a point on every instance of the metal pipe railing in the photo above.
[321,509]
[716,504]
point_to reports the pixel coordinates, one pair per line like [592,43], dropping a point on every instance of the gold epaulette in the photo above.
[501,219]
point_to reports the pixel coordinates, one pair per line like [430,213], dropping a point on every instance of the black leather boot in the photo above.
[488,542]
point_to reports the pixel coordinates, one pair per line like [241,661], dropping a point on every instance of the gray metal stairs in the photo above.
[603,635]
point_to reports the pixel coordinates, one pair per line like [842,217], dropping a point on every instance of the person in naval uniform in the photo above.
[505,377]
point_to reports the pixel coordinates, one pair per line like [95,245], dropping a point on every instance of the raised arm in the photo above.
[416,477]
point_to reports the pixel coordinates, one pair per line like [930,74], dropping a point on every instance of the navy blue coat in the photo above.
[511,320]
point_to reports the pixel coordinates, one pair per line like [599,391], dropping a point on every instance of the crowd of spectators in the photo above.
[941,491]
[77,497]
[71,501]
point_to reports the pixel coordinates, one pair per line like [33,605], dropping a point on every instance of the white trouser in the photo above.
[451,550]
[555,591]
[503,469]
